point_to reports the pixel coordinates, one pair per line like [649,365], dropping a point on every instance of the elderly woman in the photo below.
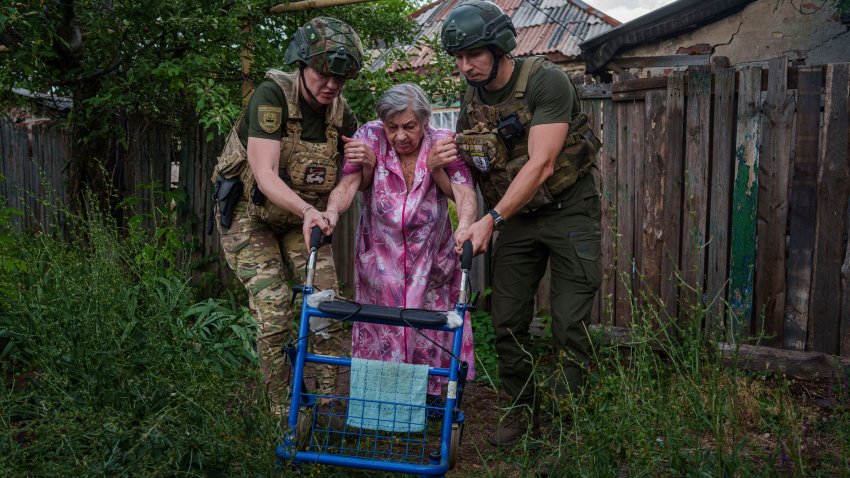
[405,257]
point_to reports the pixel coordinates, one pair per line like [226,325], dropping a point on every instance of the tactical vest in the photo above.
[309,169]
[506,157]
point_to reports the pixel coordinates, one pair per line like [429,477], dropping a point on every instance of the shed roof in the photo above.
[544,27]
[665,22]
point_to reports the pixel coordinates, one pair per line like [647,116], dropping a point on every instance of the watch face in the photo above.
[498,220]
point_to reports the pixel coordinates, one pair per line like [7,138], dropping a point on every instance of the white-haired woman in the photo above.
[405,253]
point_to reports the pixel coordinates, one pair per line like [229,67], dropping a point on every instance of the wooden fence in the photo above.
[32,162]
[729,189]
[725,188]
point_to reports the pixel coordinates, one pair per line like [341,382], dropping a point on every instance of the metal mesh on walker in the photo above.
[388,430]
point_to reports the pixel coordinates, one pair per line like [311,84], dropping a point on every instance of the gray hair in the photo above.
[401,97]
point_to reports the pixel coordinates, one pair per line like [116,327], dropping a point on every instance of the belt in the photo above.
[558,203]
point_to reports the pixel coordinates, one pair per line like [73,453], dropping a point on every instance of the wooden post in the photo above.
[744,200]
[772,214]
[832,191]
[717,262]
[803,207]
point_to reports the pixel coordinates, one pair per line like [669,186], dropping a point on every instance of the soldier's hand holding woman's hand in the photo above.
[332,217]
[359,153]
[312,217]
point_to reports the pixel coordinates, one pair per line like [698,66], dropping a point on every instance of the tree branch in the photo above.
[312,5]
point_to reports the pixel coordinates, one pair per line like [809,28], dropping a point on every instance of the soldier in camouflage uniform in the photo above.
[531,149]
[286,149]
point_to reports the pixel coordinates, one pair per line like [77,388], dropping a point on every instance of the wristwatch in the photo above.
[498,220]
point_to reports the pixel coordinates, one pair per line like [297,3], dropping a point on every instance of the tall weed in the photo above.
[110,368]
[661,403]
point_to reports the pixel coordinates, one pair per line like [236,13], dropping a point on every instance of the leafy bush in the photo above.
[109,368]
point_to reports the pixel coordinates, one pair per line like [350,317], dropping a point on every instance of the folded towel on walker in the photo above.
[387,396]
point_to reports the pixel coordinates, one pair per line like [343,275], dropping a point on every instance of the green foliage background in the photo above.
[163,58]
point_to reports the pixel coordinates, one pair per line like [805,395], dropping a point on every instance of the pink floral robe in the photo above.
[405,255]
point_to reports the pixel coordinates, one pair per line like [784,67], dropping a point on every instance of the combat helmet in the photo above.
[477,23]
[327,45]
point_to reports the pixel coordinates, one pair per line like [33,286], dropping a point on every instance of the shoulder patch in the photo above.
[269,117]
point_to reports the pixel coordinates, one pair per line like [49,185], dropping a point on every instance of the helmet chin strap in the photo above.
[497,59]
[304,84]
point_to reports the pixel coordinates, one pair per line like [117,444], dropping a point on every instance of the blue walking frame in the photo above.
[322,427]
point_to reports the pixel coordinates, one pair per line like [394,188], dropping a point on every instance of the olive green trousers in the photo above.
[567,237]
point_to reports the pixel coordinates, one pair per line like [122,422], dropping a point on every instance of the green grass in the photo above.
[662,404]
[113,364]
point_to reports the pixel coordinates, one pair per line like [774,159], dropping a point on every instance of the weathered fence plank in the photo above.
[802,208]
[16,153]
[38,151]
[344,239]
[5,161]
[637,116]
[772,210]
[844,329]
[674,145]
[608,178]
[717,261]
[593,108]
[832,195]
[744,199]
[625,215]
[652,202]
[195,216]
[28,186]
[207,155]
[695,208]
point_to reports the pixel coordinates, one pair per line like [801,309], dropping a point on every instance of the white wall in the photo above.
[766,29]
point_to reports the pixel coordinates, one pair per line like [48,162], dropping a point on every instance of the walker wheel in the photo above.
[454,444]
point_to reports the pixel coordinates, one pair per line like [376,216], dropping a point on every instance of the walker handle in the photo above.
[466,257]
[315,238]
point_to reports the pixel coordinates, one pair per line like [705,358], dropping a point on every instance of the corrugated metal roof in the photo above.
[543,26]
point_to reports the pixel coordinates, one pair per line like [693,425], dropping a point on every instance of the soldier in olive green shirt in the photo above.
[516,122]
[287,149]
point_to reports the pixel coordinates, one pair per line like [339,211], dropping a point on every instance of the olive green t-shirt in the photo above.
[550,94]
[269,98]
[551,99]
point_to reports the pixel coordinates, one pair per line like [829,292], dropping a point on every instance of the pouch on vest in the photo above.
[481,147]
[260,208]
[233,158]
[278,218]
[577,157]
[312,171]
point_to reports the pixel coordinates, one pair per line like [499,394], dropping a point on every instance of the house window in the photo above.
[444,119]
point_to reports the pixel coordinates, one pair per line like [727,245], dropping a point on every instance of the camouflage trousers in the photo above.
[267,263]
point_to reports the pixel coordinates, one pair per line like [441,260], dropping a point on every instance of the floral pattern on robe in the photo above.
[405,255]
